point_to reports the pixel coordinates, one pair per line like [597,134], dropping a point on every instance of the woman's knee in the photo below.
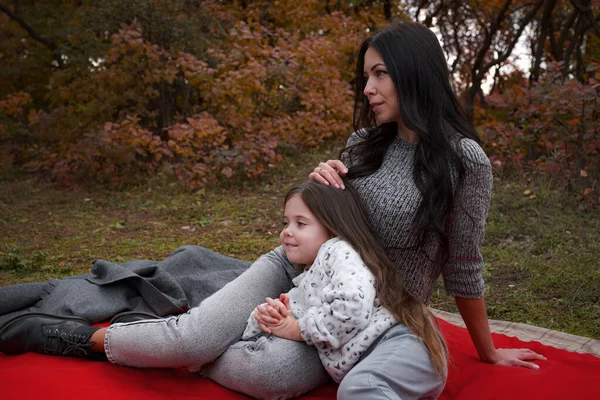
[355,385]
[365,384]
[396,369]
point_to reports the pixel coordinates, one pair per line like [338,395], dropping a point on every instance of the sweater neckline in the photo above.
[404,144]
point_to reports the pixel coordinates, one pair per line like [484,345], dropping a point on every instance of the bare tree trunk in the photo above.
[545,31]
[480,69]
[585,8]
[557,50]
[387,9]
[477,70]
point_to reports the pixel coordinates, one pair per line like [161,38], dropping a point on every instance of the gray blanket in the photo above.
[172,286]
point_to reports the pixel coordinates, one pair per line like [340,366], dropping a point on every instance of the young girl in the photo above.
[347,295]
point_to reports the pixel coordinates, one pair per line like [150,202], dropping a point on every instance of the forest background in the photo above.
[143,121]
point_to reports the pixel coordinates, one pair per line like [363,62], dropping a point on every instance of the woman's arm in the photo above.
[330,172]
[462,272]
[474,314]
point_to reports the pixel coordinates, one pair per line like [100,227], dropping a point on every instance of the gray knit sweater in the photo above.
[391,198]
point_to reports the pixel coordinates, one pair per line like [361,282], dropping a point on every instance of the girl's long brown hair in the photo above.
[343,214]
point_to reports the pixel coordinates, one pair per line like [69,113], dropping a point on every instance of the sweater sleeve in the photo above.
[346,302]
[462,271]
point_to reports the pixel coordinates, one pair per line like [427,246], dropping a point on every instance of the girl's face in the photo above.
[380,89]
[303,234]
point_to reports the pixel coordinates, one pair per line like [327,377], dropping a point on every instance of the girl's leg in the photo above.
[396,366]
[268,368]
[204,332]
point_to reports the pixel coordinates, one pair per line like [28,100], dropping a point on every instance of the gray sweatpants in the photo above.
[396,366]
[202,334]
[270,367]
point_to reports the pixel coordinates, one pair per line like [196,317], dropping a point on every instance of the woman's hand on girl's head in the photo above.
[330,173]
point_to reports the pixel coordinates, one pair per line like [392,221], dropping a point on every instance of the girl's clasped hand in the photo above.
[276,318]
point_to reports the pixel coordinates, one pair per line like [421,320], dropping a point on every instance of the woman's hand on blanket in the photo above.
[330,172]
[518,358]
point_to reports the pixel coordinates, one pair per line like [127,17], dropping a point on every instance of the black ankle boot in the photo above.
[47,334]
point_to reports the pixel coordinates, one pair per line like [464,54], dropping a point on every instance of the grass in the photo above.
[541,249]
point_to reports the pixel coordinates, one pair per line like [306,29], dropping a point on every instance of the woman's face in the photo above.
[380,89]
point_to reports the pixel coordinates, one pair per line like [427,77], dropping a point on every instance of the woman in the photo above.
[416,161]
[426,184]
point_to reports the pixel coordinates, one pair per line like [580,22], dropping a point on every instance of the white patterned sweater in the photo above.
[336,306]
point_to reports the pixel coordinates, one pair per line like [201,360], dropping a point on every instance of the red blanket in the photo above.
[564,375]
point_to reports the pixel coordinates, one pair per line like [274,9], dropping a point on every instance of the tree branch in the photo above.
[418,10]
[545,32]
[587,13]
[494,26]
[524,22]
[480,68]
[35,36]
[387,10]
[565,32]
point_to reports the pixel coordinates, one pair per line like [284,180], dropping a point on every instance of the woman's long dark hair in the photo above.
[416,64]
[343,214]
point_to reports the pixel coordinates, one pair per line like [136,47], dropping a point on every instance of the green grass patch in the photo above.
[542,248]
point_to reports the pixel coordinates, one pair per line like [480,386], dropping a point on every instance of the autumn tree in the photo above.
[209,91]
[480,37]
[204,90]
